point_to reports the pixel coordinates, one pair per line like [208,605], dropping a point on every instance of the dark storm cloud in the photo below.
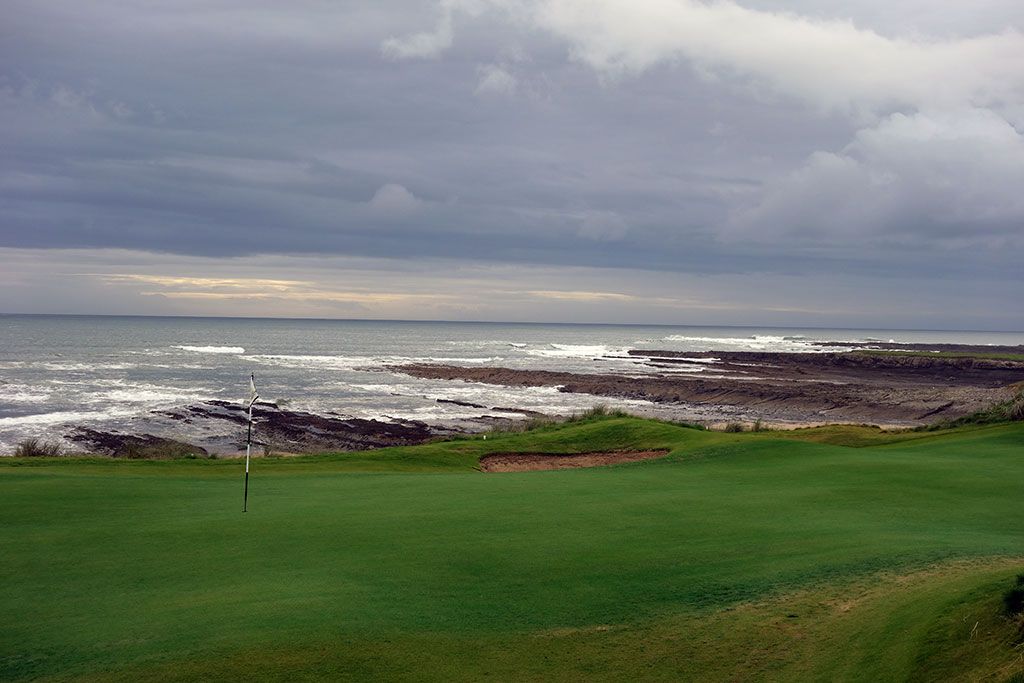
[533,133]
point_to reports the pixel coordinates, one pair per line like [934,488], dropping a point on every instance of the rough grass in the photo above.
[37,448]
[1010,410]
[533,424]
[406,563]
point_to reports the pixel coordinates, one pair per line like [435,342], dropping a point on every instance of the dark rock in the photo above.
[465,404]
[132,446]
[299,432]
[785,386]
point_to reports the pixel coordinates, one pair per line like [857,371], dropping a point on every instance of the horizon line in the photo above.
[493,322]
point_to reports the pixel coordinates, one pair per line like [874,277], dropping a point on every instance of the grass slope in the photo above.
[408,563]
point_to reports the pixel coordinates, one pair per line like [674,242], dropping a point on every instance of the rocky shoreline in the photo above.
[787,388]
[891,385]
[277,431]
[293,431]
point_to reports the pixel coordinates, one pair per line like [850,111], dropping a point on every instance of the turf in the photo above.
[410,564]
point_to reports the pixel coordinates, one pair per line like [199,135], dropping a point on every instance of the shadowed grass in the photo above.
[932,625]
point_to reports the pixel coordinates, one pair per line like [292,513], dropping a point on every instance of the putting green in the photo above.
[428,568]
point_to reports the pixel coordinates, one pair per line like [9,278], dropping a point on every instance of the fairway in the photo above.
[733,556]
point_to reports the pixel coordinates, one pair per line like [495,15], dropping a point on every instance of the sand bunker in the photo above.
[529,462]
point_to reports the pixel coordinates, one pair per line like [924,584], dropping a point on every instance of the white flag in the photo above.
[252,390]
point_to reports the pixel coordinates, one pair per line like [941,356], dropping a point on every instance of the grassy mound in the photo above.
[409,563]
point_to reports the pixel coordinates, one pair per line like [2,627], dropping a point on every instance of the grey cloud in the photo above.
[234,130]
[495,80]
[950,178]
[603,225]
[394,200]
[422,45]
[827,62]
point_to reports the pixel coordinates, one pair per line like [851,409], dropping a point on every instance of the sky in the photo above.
[757,162]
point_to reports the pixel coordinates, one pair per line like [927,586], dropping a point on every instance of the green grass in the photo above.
[407,563]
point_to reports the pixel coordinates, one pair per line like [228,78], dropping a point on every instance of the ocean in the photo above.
[111,372]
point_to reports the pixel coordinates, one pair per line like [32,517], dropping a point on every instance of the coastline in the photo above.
[783,389]
[888,385]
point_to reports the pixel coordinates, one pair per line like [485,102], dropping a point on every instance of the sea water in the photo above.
[106,372]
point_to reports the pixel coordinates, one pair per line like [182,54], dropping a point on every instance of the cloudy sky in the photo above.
[852,163]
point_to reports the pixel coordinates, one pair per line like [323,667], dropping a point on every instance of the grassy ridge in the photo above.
[371,563]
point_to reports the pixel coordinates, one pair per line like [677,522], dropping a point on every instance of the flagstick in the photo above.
[248,441]
[248,449]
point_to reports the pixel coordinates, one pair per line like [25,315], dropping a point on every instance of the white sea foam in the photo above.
[116,382]
[677,368]
[62,416]
[372,388]
[572,351]
[759,342]
[68,366]
[732,341]
[354,362]
[174,366]
[487,343]
[22,394]
[211,349]
[148,394]
[309,362]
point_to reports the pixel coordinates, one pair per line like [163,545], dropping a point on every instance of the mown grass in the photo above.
[934,625]
[350,566]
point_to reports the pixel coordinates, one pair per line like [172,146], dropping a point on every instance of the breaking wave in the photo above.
[572,351]
[757,342]
[148,394]
[62,416]
[211,349]
[355,362]
[24,397]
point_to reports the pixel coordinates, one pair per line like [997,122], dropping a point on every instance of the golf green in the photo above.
[427,568]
